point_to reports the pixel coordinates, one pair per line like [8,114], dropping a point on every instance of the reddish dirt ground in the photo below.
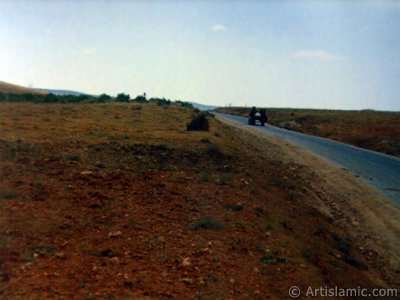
[121,202]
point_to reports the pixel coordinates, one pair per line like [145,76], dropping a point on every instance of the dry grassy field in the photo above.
[374,130]
[120,201]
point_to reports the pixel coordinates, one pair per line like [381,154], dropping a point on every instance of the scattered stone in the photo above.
[115,260]
[114,234]
[87,172]
[60,255]
[186,262]
[232,280]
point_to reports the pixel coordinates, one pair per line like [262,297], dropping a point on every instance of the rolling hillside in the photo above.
[6,87]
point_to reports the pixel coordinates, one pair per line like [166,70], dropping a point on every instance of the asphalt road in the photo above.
[380,170]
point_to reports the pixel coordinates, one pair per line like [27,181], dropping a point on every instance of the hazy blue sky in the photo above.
[321,54]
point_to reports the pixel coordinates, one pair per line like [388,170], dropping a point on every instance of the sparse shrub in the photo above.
[268,225]
[123,97]
[2,97]
[205,141]
[134,224]
[204,177]
[160,101]
[224,179]
[140,99]
[309,256]
[199,122]
[100,134]
[270,259]
[8,195]
[341,244]
[49,98]
[240,224]
[74,157]
[184,104]
[215,152]
[207,223]
[104,98]
[234,207]
[351,260]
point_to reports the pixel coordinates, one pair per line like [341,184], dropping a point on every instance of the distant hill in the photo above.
[203,106]
[6,87]
[61,92]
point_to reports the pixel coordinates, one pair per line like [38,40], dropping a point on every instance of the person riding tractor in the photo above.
[257,115]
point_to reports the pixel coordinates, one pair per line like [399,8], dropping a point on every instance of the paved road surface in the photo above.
[380,170]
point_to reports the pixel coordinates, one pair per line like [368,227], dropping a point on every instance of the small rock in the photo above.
[115,260]
[186,262]
[87,172]
[114,234]
[60,255]
[232,280]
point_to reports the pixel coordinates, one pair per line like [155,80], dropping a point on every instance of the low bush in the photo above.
[234,207]
[351,260]
[207,223]
[215,152]
[199,122]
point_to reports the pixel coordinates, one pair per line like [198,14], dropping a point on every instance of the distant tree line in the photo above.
[103,98]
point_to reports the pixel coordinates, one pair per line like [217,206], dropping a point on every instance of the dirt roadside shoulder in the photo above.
[372,220]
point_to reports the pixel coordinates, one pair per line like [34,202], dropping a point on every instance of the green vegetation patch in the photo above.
[207,223]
